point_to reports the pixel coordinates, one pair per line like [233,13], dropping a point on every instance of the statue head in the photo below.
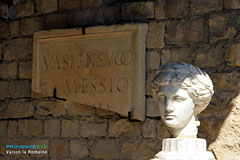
[182,92]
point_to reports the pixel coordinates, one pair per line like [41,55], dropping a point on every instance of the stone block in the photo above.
[8,70]
[151,108]
[46,6]
[3,128]
[186,31]
[4,90]
[150,77]
[221,27]
[58,148]
[78,149]
[70,128]
[55,21]
[43,142]
[91,3]
[17,49]
[155,35]
[50,107]
[77,109]
[149,129]
[12,129]
[52,128]
[104,112]
[4,30]
[162,131]
[25,8]
[138,11]
[143,152]
[208,56]
[20,89]
[14,28]
[165,9]
[30,127]
[232,55]
[69,4]
[25,70]
[106,15]
[198,7]
[4,13]
[177,55]
[123,127]
[110,150]
[18,109]
[93,129]
[153,60]
[30,25]
[1,51]
[231,4]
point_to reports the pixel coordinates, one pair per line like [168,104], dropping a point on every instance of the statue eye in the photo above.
[179,99]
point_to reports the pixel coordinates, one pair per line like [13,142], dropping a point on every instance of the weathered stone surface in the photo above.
[17,49]
[155,36]
[55,21]
[162,131]
[1,51]
[46,6]
[8,71]
[143,152]
[100,16]
[30,25]
[14,28]
[58,148]
[18,109]
[104,112]
[77,109]
[151,108]
[221,27]
[232,4]
[78,148]
[20,89]
[24,8]
[25,70]
[93,129]
[4,10]
[232,55]
[110,150]
[70,128]
[4,90]
[123,127]
[3,128]
[50,107]
[198,7]
[208,56]
[186,31]
[69,4]
[138,11]
[91,3]
[165,9]
[177,55]
[149,129]
[30,127]
[52,128]
[153,60]
[150,77]
[12,129]
[97,76]
[4,30]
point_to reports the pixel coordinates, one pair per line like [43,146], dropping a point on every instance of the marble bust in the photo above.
[182,92]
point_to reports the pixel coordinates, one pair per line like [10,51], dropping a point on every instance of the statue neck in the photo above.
[188,131]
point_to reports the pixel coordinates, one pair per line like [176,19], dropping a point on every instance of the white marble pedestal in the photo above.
[184,149]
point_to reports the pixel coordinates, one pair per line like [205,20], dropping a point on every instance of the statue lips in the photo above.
[169,116]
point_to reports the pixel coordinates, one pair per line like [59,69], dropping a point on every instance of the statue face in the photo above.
[175,105]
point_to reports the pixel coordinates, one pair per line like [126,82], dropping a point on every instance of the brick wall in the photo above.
[205,33]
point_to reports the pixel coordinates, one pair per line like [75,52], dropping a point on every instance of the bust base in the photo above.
[184,149]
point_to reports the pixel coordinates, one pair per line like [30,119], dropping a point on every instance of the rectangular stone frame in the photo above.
[138,32]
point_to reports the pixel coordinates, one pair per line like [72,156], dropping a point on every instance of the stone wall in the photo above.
[205,33]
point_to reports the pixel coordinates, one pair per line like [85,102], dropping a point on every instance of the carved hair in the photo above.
[188,77]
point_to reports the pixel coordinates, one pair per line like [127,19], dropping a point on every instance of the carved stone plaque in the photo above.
[103,67]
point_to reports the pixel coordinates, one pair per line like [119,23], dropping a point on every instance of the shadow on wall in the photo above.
[220,121]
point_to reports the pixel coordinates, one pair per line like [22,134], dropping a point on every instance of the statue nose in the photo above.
[169,107]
